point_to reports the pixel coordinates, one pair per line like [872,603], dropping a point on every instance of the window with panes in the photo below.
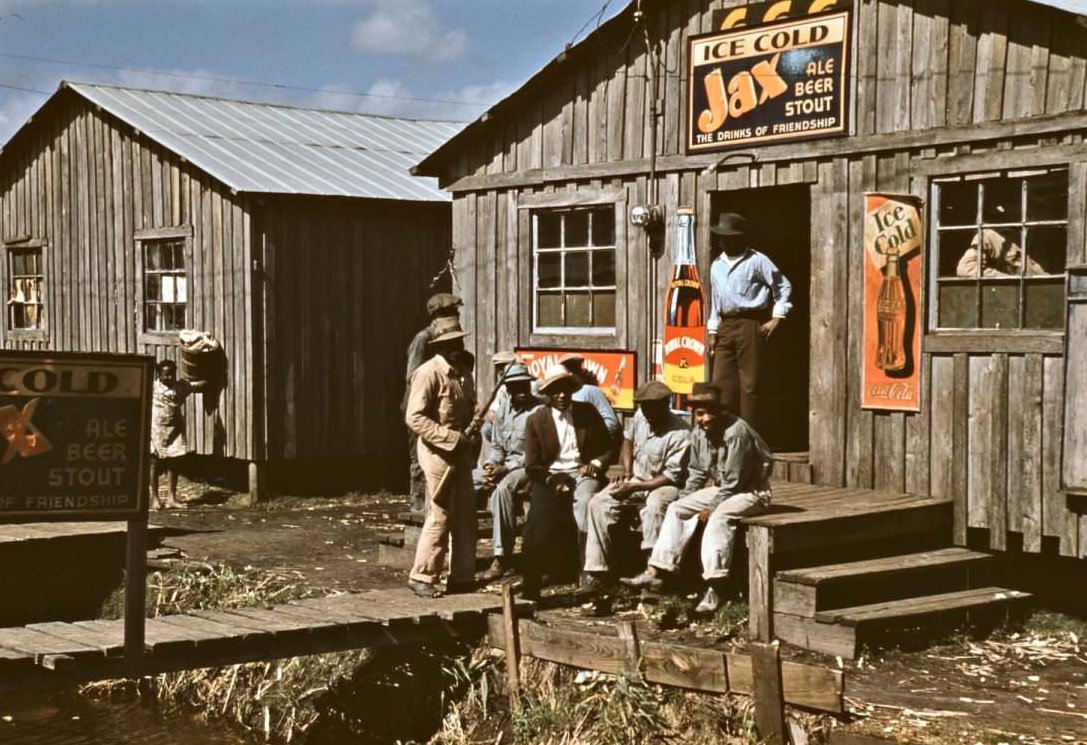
[165,284]
[1001,250]
[26,279]
[573,253]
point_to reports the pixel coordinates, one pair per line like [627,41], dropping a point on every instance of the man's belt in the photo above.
[755,315]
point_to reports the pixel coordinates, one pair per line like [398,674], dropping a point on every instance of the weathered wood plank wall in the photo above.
[342,299]
[946,79]
[86,184]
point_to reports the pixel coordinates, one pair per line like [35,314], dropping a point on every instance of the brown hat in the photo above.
[730,224]
[572,361]
[442,301]
[556,374]
[653,390]
[503,357]
[446,329]
[705,393]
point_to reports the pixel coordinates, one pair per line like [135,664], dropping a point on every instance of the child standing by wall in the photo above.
[168,443]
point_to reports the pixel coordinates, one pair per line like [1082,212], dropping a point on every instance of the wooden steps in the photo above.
[806,591]
[886,568]
[842,631]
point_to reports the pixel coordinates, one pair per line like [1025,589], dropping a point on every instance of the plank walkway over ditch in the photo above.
[60,653]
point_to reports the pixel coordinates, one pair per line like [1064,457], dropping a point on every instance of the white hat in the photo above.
[555,374]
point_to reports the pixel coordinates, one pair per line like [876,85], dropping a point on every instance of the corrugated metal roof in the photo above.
[272,149]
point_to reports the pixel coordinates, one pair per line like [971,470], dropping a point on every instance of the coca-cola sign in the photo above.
[775,82]
[890,372]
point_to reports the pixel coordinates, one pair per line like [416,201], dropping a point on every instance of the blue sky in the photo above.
[447,59]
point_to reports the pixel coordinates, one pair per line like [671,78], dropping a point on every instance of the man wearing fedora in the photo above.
[503,471]
[654,462]
[439,305]
[749,298]
[729,478]
[567,453]
[440,412]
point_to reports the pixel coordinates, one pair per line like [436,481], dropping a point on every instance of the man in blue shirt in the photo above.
[750,297]
[589,393]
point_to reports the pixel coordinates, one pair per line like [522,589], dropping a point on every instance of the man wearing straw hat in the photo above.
[750,297]
[440,411]
[567,453]
[733,463]
[439,305]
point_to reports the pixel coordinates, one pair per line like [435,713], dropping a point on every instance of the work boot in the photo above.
[501,567]
[591,585]
[709,603]
[644,581]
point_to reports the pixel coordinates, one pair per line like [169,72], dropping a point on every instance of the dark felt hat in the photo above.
[653,390]
[730,224]
[705,393]
[442,301]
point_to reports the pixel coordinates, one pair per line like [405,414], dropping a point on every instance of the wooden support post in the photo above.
[513,647]
[135,594]
[769,698]
[632,662]
[760,583]
[257,479]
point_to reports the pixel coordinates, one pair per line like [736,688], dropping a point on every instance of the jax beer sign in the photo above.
[891,369]
[76,434]
[776,82]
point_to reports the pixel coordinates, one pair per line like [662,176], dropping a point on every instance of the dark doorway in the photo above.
[778,220]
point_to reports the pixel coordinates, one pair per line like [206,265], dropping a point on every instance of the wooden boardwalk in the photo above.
[61,653]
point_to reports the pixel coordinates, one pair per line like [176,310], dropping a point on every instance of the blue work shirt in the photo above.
[752,284]
[590,394]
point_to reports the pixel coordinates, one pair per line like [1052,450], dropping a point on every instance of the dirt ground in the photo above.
[1011,688]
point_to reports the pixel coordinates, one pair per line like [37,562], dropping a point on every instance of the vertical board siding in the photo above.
[84,183]
[347,283]
[989,432]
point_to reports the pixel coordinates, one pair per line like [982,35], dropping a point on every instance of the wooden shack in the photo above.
[951,102]
[294,236]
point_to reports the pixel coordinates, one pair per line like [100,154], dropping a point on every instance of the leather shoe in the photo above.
[644,581]
[500,567]
[423,590]
[710,602]
[591,586]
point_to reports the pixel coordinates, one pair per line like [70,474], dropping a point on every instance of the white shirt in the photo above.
[567,460]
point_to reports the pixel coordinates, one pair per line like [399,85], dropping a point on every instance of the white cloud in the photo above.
[407,27]
[392,97]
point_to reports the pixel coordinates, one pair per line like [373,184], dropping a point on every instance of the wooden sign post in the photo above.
[76,434]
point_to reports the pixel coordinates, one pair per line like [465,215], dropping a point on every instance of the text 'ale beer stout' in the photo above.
[684,313]
[891,317]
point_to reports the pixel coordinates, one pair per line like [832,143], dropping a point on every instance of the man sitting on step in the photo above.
[567,452]
[742,476]
[653,457]
[503,473]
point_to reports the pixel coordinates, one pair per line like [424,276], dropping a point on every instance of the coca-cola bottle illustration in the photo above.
[891,318]
[684,313]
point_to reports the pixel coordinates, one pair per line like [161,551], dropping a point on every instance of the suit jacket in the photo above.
[542,439]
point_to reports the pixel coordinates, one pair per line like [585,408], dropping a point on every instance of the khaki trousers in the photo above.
[452,511]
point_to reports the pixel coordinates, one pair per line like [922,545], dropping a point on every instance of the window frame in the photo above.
[927,177]
[141,239]
[41,333]
[529,206]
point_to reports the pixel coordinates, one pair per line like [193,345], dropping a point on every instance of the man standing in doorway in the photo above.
[750,297]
